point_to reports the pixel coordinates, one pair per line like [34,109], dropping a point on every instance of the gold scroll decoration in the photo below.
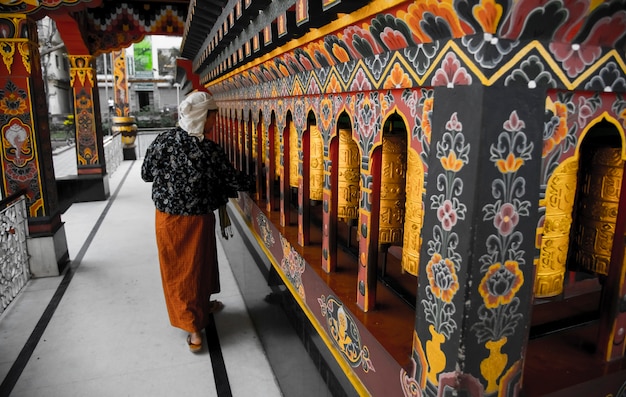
[414,215]
[348,177]
[392,189]
[294,155]
[316,163]
[559,203]
[601,174]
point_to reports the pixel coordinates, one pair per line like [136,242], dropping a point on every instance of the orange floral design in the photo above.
[561,130]
[333,85]
[340,53]
[13,105]
[510,164]
[442,278]
[488,14]
[397,78]
[443,10]
[500,284]
[426,126]
[451,163]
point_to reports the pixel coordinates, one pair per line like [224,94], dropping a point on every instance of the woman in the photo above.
[191,177]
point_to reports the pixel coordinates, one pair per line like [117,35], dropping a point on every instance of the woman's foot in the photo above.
[194,341]
[215,306]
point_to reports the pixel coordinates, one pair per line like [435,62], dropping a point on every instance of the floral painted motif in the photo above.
[531,74]
[610,79]
[345,334]
[432,20]
[500,266]
[13,102]
[266,232]
[451,73]
[445,262]
[397,78]
[361,41]
[292,266]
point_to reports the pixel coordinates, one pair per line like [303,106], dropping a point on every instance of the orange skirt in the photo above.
[189,271]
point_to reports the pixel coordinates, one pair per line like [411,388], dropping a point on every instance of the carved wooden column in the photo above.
[369,222]
[329,216]
[271,167]
[26,156]
[476,268]
[285,180]
[304,190]
[123,122]
[89,144]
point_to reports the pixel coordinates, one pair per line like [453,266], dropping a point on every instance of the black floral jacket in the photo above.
[190,177]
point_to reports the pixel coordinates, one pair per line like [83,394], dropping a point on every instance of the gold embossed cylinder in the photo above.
[392,189]
[127,127]
[316,163]
[294,155]
[601,180]
[278,167]
[555,234]
[414,215]
[348,169]
[255,141]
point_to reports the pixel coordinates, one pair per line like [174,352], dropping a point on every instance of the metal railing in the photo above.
[14,265]
[113,152]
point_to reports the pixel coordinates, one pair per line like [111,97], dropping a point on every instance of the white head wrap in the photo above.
[193,112]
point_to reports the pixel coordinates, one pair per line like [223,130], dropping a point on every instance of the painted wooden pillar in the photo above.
[123,122]
[89,144]
[304,189]
[285,177]
[26,156]
[329,216]
[120,84]
[476,269]
[369,222]
[258,159]
[270,165]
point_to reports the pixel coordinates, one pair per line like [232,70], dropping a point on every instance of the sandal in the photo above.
[215,306]
[194,348]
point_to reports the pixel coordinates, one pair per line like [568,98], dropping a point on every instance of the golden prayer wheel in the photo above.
[555,232]
[264,145]
[127,127]
[348,178]
[392,189]
[414,215]
[316,163]
[601,174]
[294,155]
[255,141]
[277,153]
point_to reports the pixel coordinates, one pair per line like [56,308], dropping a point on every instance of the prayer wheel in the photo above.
[600,181]
[277,153]
[392,189]
[554,239]
[316,164]
[255,141]
[348,177]
[127,127]
[294,156]
[414,215]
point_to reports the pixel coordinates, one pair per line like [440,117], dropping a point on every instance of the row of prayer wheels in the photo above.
[593,219]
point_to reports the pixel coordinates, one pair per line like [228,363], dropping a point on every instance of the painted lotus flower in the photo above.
[510,164]
[442,278]
[500,284]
